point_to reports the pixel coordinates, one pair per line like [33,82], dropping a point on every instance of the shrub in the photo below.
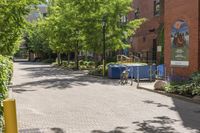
[195,83]
[48,61]
[83,67]
[6,70]
[98,71]
[65,64]
[90,64]
[189,88]
[81,62]
[71,65]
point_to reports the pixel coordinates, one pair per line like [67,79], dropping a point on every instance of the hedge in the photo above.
[6,70]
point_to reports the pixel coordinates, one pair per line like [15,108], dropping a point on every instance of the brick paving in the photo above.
[54,100]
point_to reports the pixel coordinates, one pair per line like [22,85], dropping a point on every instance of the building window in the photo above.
[156,7]
[137,13]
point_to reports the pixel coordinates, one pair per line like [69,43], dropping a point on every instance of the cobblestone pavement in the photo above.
[53,100]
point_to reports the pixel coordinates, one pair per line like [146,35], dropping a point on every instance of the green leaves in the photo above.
[191,87]
[73,21]
[12,23]
[6,70]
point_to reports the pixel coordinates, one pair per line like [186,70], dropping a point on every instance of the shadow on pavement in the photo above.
[161,124]
[116,130]
[37,130]
[57,130]
[63,83]
[190,115]
[41,69]
[22,90]
[57,78]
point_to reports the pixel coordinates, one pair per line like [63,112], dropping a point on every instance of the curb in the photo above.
[187,99]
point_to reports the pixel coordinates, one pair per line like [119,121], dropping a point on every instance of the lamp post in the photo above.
[104,44]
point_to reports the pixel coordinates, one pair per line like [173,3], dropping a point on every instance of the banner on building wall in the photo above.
[180,44]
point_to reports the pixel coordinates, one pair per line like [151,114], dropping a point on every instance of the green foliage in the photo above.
[36,38]
[48,61]
[196,83]
[71,65]
[81,62]
[74,25]
[188,88]
[84,65]
[12,23]
[6,70]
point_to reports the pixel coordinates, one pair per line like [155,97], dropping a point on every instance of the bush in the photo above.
[81,62]
[195,83]
[48,61]
[6,71]
[90,65]
[65,64]
[98,71]
[71,65]
[189,88]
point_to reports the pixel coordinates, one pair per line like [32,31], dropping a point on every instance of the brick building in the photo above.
[147,42]
[171,32]
[186,12]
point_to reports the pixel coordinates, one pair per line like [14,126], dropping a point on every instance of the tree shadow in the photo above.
[161,124]
[61,84]
[57,130]
[49,71]
[156,103]
[37,130]
[189,112]
[58,78]
[22,90]
[116,130]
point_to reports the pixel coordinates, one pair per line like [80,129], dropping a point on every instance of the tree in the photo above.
[73,25]
[64,26]
[12,23]
[36,39]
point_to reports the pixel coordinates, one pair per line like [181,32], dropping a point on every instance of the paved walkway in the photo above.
[52,100]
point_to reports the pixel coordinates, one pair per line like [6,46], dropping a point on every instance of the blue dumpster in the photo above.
[114,71]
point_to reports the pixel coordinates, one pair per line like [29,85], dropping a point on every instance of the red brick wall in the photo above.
[186,10]
[153,22]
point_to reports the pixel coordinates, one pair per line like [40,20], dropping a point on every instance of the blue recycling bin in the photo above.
[114,71]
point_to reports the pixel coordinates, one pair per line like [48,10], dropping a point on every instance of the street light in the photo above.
[104,44]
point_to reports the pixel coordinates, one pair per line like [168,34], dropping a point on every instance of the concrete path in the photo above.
[52,100]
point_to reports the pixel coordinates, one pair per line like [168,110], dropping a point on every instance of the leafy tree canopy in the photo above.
[75,20]
[12,23]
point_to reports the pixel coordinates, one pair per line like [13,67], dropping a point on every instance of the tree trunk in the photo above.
[76,56]
[68,57]
[59,59]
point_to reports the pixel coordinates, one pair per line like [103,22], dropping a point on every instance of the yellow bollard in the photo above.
[9,108]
